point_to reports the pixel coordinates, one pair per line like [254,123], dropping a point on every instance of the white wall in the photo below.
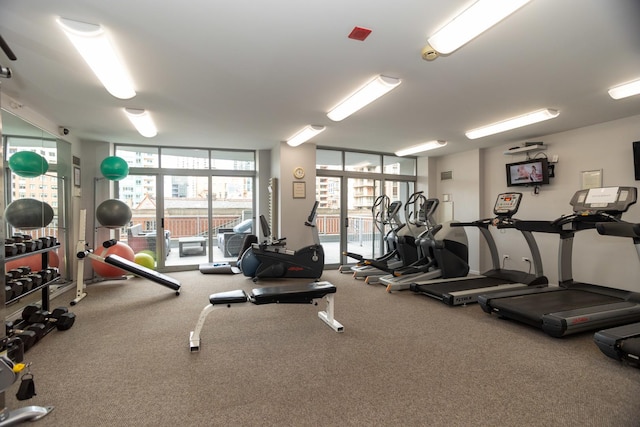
[597,259]
[294,212]
[464,190]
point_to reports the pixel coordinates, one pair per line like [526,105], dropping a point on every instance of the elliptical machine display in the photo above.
[264,260]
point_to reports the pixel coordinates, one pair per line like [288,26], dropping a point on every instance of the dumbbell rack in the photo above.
[44,286]
[26,413]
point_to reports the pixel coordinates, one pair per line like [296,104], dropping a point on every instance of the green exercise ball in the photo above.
[28,164]
[28,214]
[114,168]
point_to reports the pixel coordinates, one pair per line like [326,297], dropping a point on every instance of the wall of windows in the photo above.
[185,201]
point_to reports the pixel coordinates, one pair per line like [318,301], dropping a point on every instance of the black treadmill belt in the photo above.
[442,288]
[534,306]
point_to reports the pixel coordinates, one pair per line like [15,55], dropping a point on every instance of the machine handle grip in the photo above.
[619,229]
[109,243]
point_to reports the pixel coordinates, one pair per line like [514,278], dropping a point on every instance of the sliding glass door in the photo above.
[348,184]
[196,208]
[362,236]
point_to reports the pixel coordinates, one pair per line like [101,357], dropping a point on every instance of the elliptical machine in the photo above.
[385,214]
[445,254]
[405,238]
[269,260]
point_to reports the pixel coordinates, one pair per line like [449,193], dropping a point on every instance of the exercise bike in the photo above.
[271,259]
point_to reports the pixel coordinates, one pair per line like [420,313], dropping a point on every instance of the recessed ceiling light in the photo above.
[305,134]
[475,20]
[142,121]
[512,123]
[431,145]
[363,97]
[625,90]
[96,49]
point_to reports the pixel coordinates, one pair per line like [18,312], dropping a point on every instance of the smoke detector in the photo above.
[428,53]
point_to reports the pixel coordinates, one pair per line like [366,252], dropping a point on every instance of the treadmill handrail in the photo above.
[619,229]
[483,223]
[559,225]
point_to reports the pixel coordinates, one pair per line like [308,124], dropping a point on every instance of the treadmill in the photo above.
[622,342]
[572,306]
[465,290]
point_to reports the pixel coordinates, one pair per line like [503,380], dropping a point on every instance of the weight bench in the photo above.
[294,294]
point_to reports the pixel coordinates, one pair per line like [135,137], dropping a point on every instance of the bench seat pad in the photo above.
[230,297]
[293,294]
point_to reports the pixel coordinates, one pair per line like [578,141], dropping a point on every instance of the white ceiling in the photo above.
[248,73]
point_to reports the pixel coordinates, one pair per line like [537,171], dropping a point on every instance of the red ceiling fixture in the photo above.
[359,33]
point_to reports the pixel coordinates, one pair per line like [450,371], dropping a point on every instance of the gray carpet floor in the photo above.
[403,360]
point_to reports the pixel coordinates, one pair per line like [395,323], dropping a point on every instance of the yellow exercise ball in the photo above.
[145,260]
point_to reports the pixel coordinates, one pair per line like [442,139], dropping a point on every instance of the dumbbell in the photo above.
[37,279]
[47,274]
[17,287]
[46,242]
[29,336]
[61,318]
[36,244]
[17,273]
[15,349]
[10,249]
[29,244]
[8,293]
[27,283]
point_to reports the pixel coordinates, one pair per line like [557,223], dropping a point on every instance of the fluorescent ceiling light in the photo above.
[431,145]
[475,20]
[96,49]
[515,122]
[625,90]
[363,96]
[305,134]
[141,119]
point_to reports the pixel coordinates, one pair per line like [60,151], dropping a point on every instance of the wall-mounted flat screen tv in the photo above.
[528,172]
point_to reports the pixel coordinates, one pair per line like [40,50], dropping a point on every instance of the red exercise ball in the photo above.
[54,260]
[106,270]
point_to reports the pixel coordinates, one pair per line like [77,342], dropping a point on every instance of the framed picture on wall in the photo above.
[299,190]
[76,176]
[591,179]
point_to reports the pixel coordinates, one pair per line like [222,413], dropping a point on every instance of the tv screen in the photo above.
[636,159]
[529,172]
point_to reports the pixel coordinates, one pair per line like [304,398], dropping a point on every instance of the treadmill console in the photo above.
[507,204]
[611,200]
